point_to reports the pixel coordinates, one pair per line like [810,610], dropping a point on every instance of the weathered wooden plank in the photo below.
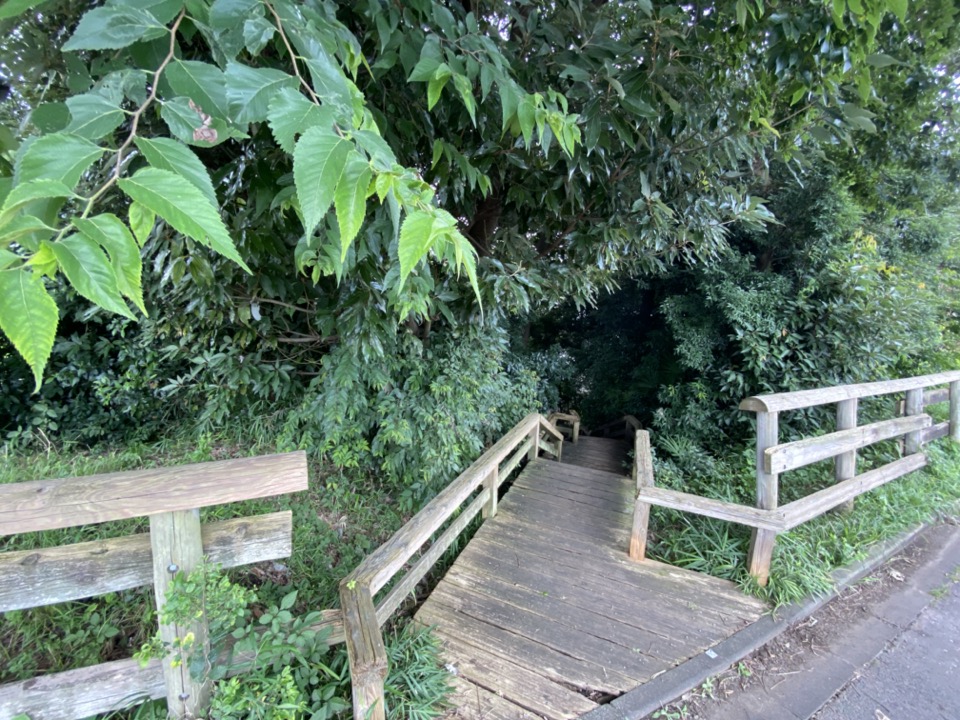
[614,502]
[845,464]
[677,630]
[719,509]
[528,552]
[595,507]
[473,702]
[548,427]
[513,682]
[762,541]
[383,563]
[778,402]
[425,562]
[955,411]
[935,432]
[33,578]
[176,542]
[790,456]
[531,654]
[934,397]
[522,451]
[643,477]
[84,692]
[365,652]
[575,642]
[68,502]
[560,605]
[913,441]
[800,511]
[581,476]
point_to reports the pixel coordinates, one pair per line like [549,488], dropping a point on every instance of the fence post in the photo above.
[643,475]
[576,426]
[914,406]
[955,411]
[178,548]
[845,464]
[365,651]
[491,482]
[762,541]
[534,443]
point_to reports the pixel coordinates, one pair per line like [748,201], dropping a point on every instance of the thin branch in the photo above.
[293,55]
[135,122]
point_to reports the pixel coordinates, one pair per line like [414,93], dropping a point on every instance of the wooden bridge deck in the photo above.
[543,615]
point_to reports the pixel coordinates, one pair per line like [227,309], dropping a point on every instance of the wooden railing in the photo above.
[567,424]
[177,541]
[624,427]
[768,519]
[478,484]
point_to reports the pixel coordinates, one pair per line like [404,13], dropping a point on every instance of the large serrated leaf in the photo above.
[183,207]
[163,10]
[12,8]
[25,193]
[113,236]
[92,116]
[229,14]
[59,156]
[351,199]
[112,28]
[88,270]
[28,317]
[291,114]
[416,236]
[184,123]
[167,154]
[318,162]
[201,82]
[249,90]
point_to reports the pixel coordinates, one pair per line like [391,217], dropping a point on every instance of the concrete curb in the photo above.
[665,688]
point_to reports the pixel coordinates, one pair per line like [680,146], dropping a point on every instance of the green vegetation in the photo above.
[385,232]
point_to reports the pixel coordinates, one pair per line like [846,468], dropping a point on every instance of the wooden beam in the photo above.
[384,562]
[790,456]
[955,411]
[763,540]
[365,652]
[643,476]
[935,432]
[719,509]
[779,402]
[178,548]
[514,460]
[33,578]
[845,464]
[68,502]
[425,562]
[800,511]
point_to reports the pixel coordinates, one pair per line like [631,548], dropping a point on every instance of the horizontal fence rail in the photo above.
[177,541]
[478,487]
[768,518]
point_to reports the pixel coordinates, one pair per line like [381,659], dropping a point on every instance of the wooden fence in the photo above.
[177,541]
[477,486]
[768,519]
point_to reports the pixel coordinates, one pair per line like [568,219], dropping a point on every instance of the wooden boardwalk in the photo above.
[543,615]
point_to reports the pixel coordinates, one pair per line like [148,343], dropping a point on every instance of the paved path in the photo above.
[918,676]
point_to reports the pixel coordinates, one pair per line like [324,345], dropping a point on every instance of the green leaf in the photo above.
[899,8]
[25,226]
[526,114]
[880,60]
[112,235]
[229,14]
[201,82]
[88,270]
[350,199]
[434,88]
[26,192]
[288,600]
[184,122]
[60,157]
[318,162]
[142,221]
[28,317]
[463,86]
[12,8]
[163,10]
[112,28]
[92,116]
[291,114]
[430,59]
[7,258]
[249,90]
[183,207]
[417,234]
[167,154]
[257,32]
[50,117]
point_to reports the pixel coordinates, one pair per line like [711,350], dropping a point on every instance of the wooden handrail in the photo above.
[363,619]
[799,399]
[572,417]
